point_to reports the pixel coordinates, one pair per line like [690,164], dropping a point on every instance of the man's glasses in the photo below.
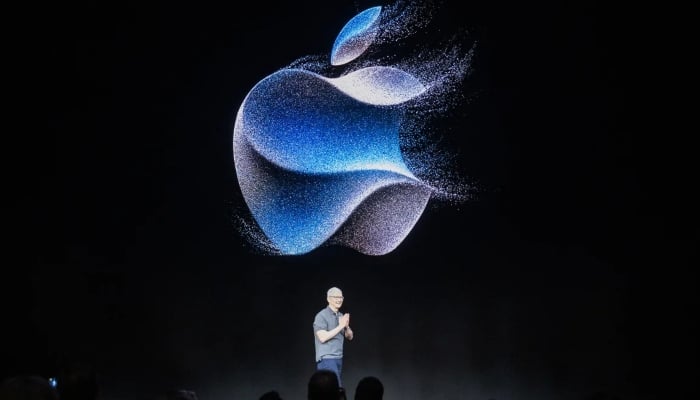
[337,297]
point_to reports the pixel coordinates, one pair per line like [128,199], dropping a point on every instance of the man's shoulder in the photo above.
[322,312]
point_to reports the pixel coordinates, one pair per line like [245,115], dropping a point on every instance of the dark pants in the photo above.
[333,364]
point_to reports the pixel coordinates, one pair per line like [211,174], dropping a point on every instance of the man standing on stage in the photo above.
[331,328]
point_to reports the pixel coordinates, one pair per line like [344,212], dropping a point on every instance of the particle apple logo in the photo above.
[319,159]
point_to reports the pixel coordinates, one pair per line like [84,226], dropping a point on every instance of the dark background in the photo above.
[569,274]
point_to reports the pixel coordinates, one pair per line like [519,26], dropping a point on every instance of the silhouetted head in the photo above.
[369,388]
[27,387]
[78,381]
[323,385]
[271,395]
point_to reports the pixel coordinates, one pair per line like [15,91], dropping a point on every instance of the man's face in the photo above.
[335,300]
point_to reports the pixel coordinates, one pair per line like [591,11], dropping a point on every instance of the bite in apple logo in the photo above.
[322,147]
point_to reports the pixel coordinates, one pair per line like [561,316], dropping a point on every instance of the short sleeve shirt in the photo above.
[327,320]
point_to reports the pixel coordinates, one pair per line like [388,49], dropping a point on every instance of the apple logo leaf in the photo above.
[356,36]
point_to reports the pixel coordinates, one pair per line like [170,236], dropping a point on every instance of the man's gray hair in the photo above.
[334,291]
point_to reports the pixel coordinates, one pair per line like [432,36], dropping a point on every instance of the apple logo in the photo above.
[318,158]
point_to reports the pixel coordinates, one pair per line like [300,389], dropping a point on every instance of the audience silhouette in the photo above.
[369,388]
[78,381]
[271,395]
[323,385]
[27,387]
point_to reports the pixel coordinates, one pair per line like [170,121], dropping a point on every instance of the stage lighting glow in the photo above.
[321,159]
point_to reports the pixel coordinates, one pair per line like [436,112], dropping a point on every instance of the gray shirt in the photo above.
[327,320]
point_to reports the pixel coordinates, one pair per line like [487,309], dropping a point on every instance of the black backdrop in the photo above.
[568,275]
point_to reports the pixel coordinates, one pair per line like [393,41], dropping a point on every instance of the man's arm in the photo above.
[324,335]
[348,333]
